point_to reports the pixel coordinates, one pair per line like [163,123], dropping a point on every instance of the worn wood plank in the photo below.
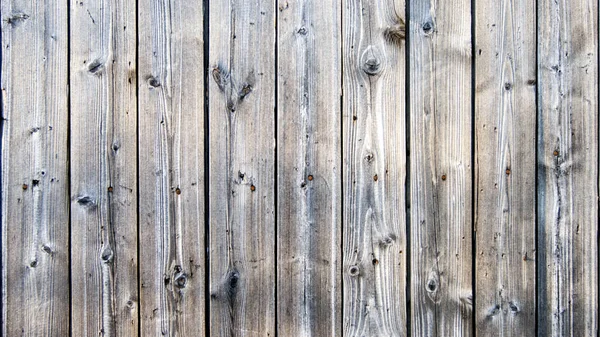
[103,168]
[309,168]
[35,207]
[241,168]
[568,168]
[440,166]
[505,110]
[374,159]
[171,148]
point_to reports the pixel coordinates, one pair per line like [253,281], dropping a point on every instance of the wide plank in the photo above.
[374,168]
[505,124]
[171,174]
[440,168]
[35,193]
[241,89]
[567,156]
[103,118]
[309,168]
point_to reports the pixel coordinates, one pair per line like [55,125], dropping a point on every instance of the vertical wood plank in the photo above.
[440,164]
[374,159]
[171,148]
[309,168]
[241,168]
[35,206]
[568,168]
[505,127]
[103,168]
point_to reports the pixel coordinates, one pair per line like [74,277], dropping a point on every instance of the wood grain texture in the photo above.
[309,168]
[35,196]
[505,127]
[241,168]
[103,168]
[171,150]
[374,159]
[440,164]
[568,168]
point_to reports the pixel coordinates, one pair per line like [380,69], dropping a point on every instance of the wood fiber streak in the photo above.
[35,197]
[568,168]
[171,173]
[241,168]
[505,127]
[309,168]
[103,182]
[374,169]
[440,170]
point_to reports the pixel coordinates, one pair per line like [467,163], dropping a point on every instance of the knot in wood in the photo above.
[371,61]
[427,28]
[353,270]
[107,255]
[180,280]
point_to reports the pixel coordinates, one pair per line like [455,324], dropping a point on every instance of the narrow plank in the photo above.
[241,168]
[171,149]
[35,206]
[568,168]
[440,168]
[309,168]
[374,168]
[103,168]
[505,110]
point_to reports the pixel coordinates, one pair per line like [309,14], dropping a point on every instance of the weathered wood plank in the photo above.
[440,166]
[374,159]
[103,168]
[171,148]
[505,110]
[309,168]
[35,206]
[568,168]
[241,168]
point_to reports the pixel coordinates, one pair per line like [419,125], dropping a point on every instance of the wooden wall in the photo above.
[299,168]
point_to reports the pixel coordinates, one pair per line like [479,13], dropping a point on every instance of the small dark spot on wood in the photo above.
[387,241]
[493,311]
[353,271]
[24,187]
[431,285]
[375,177]
[181,280]
[167,280]
[232,283]
[153,82]
[513,307]
[34,130]
[354,118]
[252,188]
[96,66]
[479,52]
[555,153]
[86,201]
[531,82]
[35,182]
[302,31]
[372,66]
[110,188]
[178,191]
[507,171]
[246,90]
[443,177]
[369,158]
[220,76]
[47,250]
[107,255]
[17,18]
[130,304]
[116,146]
[310,178]
[507,86]
[33,263]
[303,184]
[375,262]
[427,27]
[43,173]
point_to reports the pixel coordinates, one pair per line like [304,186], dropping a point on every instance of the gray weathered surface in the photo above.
[505,111]
[440,165]
[35,206]
[568,168]
[171,157]
[103,168]
[374,169]
[241,168]
[309,168]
